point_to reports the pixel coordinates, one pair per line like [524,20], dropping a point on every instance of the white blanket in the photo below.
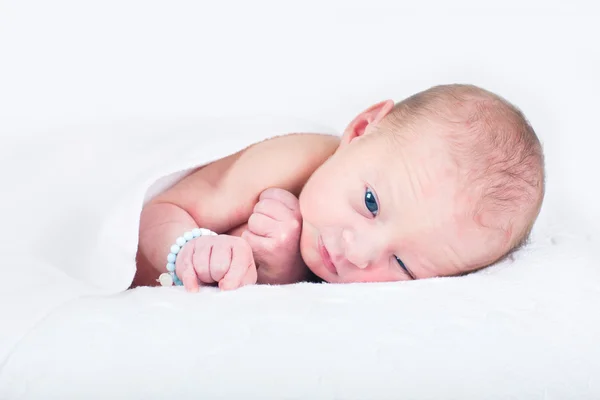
[77,82]
[73,208]
[526,328]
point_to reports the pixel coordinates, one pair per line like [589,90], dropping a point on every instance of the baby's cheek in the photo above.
[305,238]
[307,248]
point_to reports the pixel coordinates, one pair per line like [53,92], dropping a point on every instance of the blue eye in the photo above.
[371,202]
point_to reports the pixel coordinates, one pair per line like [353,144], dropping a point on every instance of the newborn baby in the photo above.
[446,182]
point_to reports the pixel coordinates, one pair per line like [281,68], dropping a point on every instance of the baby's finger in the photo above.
[283,196]
[220,260]
[274,209]
[262,225]
[201,259]
[251,276]
[241,261]
[184,269]
[190,280]
[259,244]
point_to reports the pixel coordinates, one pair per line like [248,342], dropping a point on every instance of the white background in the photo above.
[70,66]
[80,62]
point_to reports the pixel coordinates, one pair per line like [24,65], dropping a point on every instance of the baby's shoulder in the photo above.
[295,144]
[284,161]
[222,194]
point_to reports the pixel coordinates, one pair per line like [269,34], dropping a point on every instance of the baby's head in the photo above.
[447,181]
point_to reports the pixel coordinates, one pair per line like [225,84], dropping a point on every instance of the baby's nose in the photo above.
[356,252]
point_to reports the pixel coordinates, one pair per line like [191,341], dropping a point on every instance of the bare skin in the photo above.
[267,218]
[365,207]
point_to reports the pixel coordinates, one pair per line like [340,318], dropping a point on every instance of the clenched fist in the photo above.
[274,235]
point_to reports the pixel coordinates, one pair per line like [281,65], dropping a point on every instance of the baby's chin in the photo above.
[318,272]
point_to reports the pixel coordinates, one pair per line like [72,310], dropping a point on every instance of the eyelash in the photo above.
[374,213]
[404,267]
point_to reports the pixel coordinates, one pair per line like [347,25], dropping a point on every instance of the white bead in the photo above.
[180,241]
[165,279]
[196,232]
[188,236]
[205,232]
[175,249]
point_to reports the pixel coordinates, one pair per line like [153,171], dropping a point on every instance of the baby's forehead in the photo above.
[423,168]
[422,147]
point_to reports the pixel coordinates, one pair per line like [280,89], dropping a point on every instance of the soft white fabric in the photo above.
[99,99]
[75,218]
[524,328]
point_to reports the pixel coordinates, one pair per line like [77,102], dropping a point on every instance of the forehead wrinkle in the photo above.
[401,182]
[427,267]
[453,258]
[417,260]
[425,264]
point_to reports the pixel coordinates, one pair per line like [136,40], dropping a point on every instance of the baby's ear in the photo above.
[371,116]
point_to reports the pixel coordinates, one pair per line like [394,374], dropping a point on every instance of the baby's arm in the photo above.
[221,196]
[160,225]
[193,202]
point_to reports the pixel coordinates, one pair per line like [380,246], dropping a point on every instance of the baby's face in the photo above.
[379,210]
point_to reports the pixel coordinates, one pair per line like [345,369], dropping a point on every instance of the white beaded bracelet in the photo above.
[170,277]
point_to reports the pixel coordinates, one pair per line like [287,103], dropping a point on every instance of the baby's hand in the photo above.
[224,259]
[274,234]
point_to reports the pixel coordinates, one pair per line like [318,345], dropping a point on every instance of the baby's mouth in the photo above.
[326,257]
